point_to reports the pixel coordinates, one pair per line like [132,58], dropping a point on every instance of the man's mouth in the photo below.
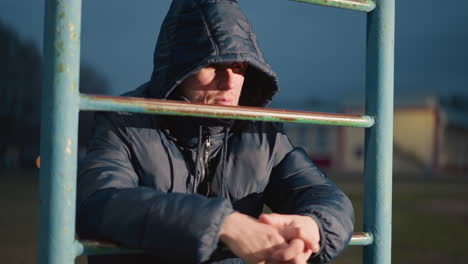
[223,101]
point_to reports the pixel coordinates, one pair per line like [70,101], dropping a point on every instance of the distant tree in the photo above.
[90,83]
[20,93]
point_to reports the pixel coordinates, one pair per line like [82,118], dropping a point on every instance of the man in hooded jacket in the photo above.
[192,190]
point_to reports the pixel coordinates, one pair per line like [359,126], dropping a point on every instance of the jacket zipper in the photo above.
[206,165]
[204,170]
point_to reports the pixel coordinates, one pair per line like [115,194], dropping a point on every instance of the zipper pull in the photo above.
[207,150]
[207,167]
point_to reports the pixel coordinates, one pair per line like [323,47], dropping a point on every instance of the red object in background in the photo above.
[322,161]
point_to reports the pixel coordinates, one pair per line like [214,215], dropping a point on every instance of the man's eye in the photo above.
[238,67]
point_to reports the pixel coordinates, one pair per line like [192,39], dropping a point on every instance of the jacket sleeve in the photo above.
[112,206]
[297,186]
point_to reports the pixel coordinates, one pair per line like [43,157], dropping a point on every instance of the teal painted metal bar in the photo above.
[59,129]
[379,138]
[103,248]
[357,5]
[88,247]
[361,239]
[166,107]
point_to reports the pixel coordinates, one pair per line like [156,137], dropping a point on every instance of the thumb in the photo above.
[276,220]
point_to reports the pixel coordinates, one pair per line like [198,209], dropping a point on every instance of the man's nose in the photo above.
[226,79]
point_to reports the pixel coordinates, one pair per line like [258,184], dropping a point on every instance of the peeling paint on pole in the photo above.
[358,5]
[59,128]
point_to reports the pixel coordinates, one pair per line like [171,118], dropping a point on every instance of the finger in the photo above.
[303,257]
[310,242]
[273,219]
[290,232]
[295,247]
[315,247]
[263,218]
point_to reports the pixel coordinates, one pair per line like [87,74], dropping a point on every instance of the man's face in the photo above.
[215,84]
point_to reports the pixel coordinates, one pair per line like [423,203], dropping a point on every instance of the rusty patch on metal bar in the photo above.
[169,107]
[360,235]
[152,104]
[99,244]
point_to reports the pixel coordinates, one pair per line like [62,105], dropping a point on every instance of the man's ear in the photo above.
[176,94]
[259,88]
[251,94]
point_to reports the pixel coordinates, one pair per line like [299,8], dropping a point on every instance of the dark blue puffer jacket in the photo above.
[152,182]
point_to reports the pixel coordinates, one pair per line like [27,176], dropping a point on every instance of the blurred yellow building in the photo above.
[430,136]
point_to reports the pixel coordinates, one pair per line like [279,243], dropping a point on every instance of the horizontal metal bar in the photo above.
[167,107]
[358,5]
[88,247]
[361,239]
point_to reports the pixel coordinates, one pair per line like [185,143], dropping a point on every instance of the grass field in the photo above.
[430,218]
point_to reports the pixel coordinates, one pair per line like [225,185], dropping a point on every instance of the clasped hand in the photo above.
[273,238]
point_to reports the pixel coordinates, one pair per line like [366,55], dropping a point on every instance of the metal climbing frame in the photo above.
[61,102]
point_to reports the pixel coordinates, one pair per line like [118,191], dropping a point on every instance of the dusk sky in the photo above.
[318,52]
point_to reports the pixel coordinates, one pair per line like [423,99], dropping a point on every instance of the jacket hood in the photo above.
[197,33]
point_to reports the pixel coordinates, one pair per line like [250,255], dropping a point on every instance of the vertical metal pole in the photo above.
[59,128]
[379,138]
